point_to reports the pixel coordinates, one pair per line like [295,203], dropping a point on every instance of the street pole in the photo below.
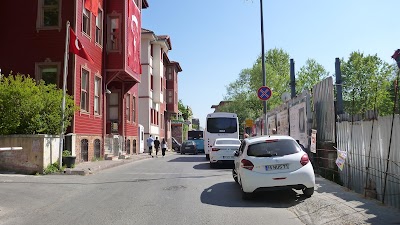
[63,95]
[263,68]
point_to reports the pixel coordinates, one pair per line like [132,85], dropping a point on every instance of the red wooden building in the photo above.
[105,91]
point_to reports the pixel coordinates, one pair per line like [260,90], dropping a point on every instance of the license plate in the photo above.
[187,147]
[227,157]
[277,167]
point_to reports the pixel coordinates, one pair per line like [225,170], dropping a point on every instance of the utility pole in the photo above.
[263,67]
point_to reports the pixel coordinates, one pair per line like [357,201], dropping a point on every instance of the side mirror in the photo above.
[236,153]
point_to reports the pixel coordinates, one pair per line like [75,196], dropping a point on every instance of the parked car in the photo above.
[223,151]
[176,145]
[188,147]
[272,163]
[199,145]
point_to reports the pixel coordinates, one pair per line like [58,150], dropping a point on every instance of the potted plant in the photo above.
[67,159]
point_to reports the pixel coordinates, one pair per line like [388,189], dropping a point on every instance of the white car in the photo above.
[223,151]
[272,163]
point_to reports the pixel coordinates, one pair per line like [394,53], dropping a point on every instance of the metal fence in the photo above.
[114,144]
[372,166]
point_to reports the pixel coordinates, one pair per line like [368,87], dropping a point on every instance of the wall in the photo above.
[38,151]
[368,158]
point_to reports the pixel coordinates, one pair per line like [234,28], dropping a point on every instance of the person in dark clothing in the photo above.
[157,145]
[163,146]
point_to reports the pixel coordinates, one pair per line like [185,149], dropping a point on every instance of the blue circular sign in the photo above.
[264,93]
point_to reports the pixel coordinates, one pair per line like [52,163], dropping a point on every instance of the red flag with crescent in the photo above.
[76,47]
[92,6]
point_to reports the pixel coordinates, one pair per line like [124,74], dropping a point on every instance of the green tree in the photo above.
[366,84]
[185,110]
[309,75]
[30,108]
[243,91]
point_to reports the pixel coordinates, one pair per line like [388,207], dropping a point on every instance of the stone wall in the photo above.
[38,151]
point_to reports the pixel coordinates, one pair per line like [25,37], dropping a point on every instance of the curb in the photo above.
[93,168]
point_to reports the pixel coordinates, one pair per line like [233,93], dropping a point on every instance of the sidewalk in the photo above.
[86,168]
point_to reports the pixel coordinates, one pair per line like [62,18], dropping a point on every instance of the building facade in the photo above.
[106,91]
[158,91]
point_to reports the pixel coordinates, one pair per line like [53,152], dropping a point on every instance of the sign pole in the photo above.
[263,67]
[64,93]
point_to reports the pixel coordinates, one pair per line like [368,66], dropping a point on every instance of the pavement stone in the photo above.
[86,168]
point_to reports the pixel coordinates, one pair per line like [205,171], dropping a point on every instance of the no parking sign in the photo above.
[264,93]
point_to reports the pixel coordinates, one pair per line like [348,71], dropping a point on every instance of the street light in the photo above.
[263,66]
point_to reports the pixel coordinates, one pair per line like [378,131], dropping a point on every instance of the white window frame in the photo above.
[99,28]
[170,96]
[39,66]
[86,17]
[133,108]
[128,107]
[169,73]
[114,37]
[40,16]
[86,91]
[97,95]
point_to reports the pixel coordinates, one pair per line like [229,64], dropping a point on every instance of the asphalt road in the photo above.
[172,190]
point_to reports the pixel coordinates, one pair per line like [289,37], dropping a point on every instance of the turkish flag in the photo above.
[76,47]
[92,6]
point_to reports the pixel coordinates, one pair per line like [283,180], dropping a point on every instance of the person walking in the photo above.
[157,145]
[150,141]
[163,147]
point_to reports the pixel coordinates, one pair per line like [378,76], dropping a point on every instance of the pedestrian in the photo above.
[245,135]
[163,147]
[150,141]
[157,145]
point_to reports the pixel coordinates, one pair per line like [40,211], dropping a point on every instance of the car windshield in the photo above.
[273,148]
[228,142]
[222,125]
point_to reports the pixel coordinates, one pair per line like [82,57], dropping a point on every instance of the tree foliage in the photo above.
[243,91]
[367,84]
[309,75]
[27,107]
[185,110]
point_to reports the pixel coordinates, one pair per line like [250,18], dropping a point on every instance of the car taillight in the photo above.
[215,149]
[246,164]
[304,160]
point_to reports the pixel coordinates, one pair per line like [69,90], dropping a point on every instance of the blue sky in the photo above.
[213,40]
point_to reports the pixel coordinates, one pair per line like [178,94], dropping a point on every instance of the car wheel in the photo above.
[308,192]
[207,156]
[235,176]
[212,165]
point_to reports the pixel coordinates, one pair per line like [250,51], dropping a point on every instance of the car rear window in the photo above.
[228,142]
[273,148]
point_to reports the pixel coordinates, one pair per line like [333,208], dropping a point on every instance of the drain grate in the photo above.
[175,188]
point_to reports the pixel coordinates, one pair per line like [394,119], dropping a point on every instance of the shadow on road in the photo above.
[186,158]
[228,194]
[206,166]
